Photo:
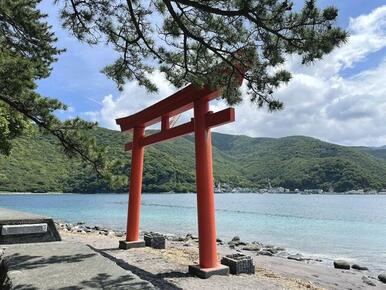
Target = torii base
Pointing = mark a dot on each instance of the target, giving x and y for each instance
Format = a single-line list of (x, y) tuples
[(205, 273), (125, 245)]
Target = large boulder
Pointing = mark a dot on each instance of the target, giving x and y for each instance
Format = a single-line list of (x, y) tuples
[(341, 264), (382, 277)]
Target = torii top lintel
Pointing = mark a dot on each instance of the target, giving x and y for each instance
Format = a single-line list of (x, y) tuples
[(175, 104)]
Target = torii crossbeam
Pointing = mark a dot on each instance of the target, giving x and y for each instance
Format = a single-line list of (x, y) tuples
[(190, 97)]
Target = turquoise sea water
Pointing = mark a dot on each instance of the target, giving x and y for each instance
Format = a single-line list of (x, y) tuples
[(326, 226)]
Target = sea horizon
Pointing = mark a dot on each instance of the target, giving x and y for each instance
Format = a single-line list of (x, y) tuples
[(168, 192)]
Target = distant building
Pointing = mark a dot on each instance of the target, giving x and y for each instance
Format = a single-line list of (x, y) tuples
[(355, 191), (274, 190), (313, 191)]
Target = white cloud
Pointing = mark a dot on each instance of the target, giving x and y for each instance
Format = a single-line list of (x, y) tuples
[(319, 101), (346, 111), (132, 99)]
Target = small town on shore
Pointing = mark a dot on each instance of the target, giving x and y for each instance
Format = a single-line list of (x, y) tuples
[(226, 188)]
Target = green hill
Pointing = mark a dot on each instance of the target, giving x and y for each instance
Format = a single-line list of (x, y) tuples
[(37, 164)]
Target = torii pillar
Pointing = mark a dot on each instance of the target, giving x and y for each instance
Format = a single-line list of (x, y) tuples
[(204, 187), (190, 97)]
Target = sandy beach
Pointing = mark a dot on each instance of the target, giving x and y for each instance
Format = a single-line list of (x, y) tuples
[(167, 269)]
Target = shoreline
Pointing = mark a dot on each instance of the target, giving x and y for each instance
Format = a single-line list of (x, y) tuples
[(238, 245), (311, 273)]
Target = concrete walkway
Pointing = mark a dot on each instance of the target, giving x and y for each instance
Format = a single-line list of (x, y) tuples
[(64, 265)]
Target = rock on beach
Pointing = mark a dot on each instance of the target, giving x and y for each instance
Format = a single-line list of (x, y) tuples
[(265, 253), (252, 247), (359, 267), (296, 257), (382, 277), (236, 241), (341, 264)]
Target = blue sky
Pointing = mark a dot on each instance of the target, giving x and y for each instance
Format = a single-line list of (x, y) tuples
[(335, 100)]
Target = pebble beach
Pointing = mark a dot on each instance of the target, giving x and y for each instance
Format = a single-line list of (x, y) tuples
[(275, 267)]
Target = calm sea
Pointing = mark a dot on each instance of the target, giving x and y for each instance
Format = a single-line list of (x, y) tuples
[(325, 226)]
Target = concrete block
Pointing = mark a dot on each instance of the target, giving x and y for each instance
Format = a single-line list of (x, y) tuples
[(125, 245), (154, 240), (205, 273), (239, 263)]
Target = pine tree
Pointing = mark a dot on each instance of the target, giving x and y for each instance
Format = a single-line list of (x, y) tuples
[(27, 51), (200, 42), (196, 41)]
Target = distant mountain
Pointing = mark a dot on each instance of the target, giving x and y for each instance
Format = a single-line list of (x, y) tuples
[(37, 163), (377, 152)]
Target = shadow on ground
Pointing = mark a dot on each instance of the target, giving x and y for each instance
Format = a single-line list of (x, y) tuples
[(158, 280), (101, 281), (17, 262), (104, 281), (23, 262)]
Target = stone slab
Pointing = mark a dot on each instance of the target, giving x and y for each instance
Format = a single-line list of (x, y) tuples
[(205, 273), (65, 265), (7, 230)]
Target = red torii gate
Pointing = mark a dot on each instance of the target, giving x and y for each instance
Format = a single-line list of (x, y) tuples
[(190, 97)]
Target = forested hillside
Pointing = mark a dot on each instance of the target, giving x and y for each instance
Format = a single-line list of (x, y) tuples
[(37, 164)]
